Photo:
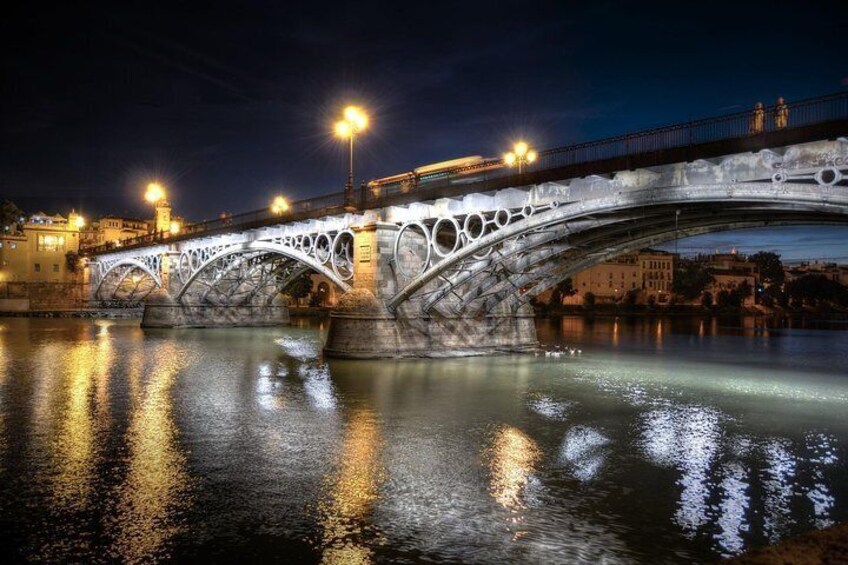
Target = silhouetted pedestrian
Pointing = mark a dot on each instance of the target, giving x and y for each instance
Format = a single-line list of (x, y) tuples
[(781, 114), (758, 119)]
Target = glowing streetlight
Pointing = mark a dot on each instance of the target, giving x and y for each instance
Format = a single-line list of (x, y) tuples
[(174, 228), (279, 205), (79, 222), (520, 155), (355, 122), (154, 193)]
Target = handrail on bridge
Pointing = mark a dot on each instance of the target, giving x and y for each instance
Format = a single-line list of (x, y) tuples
[(707, 130)]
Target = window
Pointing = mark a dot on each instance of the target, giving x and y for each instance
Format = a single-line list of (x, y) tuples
[(55, 267), (51, 242), (13, 246), (38, 267)]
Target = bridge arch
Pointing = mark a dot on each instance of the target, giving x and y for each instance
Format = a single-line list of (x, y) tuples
[(563, 226), (253, 260), (117, 273)]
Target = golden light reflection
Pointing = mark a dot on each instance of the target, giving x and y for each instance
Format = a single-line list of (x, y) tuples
[(156, 490), (512, 460), (73, 413), (75, 448), (4, 369), (352, 493)]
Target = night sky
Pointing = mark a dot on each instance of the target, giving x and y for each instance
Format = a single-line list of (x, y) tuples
[(228, 104)]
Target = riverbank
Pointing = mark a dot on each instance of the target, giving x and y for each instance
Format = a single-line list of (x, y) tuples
[(613, 310), (104, 313), (813, 548)]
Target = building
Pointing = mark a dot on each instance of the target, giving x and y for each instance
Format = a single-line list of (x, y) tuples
[(831, 271), (117, 228), (648, 273), (656, 273), (731, 271), (39, 252)]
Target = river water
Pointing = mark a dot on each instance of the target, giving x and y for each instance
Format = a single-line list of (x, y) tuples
[(661, 441)]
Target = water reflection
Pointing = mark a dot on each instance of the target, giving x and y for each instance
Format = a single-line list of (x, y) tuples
[(153, 499), (74, 446), (686, 438), (245, 445), (583, 449), (351, 495), (512, 460)]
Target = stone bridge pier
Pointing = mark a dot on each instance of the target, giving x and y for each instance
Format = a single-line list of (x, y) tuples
[(366, 324)]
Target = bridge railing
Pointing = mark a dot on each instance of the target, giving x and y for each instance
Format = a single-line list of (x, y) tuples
[(699, 132), (722, 128)]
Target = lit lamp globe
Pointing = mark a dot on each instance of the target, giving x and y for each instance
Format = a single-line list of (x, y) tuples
[(154, 193), (279, 205)]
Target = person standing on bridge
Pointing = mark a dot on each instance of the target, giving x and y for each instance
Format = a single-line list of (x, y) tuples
[(781, 114), (758, 119)]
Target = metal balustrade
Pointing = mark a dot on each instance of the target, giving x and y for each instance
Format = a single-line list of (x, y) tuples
[(726, 128)]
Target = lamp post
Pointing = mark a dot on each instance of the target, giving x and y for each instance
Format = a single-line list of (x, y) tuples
[(521, 156), (355, 121)]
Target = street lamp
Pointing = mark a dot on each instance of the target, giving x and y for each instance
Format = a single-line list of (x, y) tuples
[(355, 121), (279, 205), (154, 193), (79, 222), (521, 155)]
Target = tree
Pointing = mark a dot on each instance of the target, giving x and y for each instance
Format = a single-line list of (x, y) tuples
[(813, 289), (561, 290), (770, 267), (10, 217), (744, 291), (707, 300), (690, 279), (301, 286), (589, 300), (72, 261), (728, 299)]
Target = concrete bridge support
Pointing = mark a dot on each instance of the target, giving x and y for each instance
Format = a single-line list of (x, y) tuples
[(364, 327)]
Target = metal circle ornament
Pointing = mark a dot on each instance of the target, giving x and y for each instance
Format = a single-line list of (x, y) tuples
[(412, 249), (342, 255), (439, 231)]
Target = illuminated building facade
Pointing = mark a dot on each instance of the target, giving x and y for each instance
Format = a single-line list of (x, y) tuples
[(39, 253)]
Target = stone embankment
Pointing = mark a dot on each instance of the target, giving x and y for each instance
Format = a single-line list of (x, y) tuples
[(102, 313)]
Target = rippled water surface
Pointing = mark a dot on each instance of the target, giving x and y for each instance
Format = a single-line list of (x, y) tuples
[(661, 441)]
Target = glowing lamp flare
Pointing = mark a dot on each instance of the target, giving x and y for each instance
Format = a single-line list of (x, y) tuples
[(521, 149), (520, 155), (154, 193), (174, 228), (279, 205), (79, 222)]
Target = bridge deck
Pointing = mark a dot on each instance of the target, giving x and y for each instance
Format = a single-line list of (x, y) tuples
[(810, 120)]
